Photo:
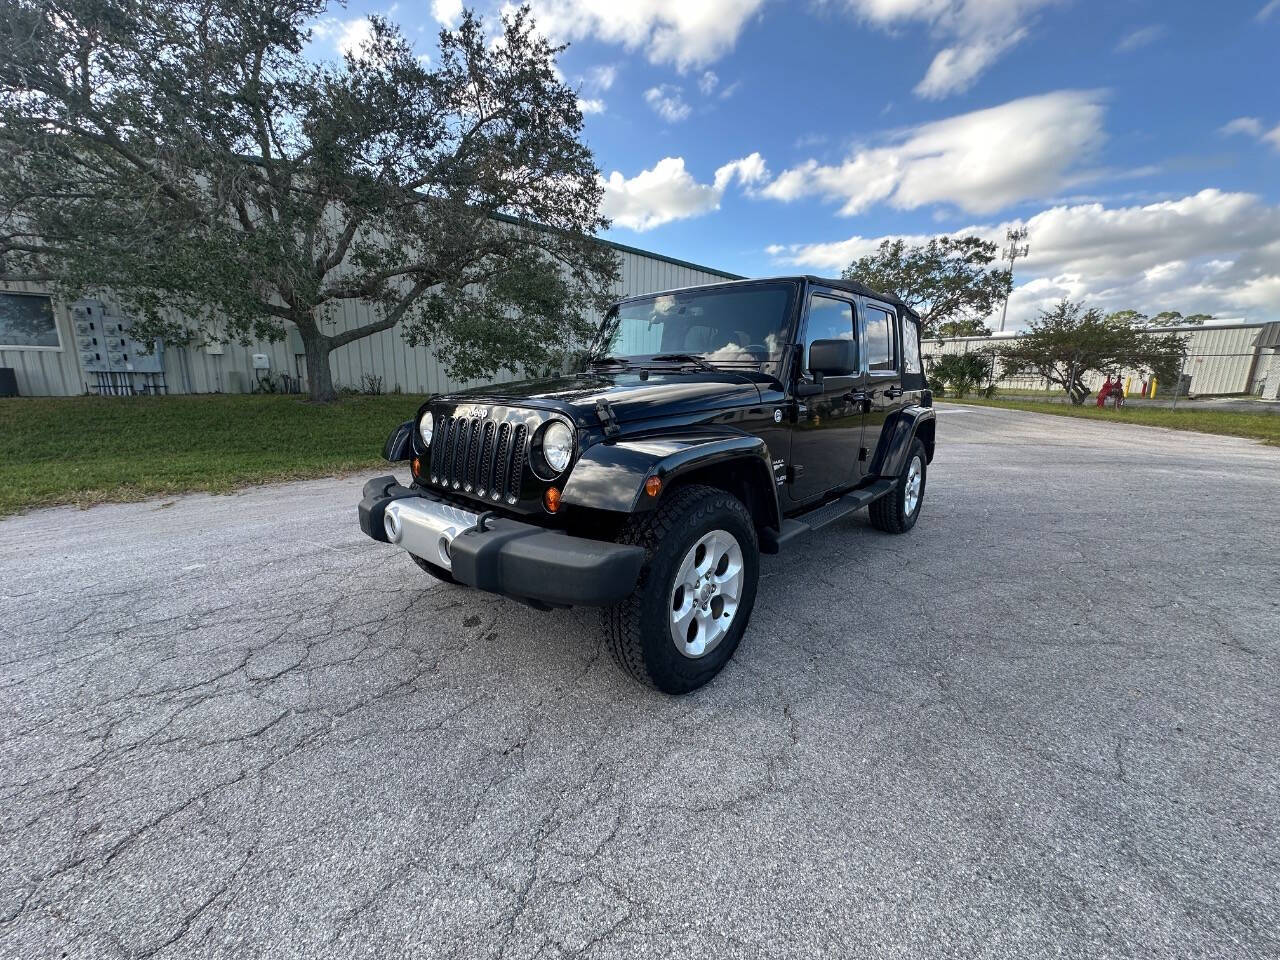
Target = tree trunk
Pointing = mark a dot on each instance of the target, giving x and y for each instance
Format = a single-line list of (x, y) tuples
[(316, 347)]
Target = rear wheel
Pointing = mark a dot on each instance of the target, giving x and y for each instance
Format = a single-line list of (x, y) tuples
[(695, 594), (440, 573), (896, 512)]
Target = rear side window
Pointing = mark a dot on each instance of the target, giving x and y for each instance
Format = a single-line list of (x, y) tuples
[(910, 346), (829, 319), (879, 345)]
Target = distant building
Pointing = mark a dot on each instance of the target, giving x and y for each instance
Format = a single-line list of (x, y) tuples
[(1222, 359), (58, 348)]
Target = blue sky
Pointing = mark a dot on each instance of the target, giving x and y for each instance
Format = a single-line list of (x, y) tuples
[(1137, 140)]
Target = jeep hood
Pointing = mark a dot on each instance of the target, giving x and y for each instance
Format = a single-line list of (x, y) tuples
[(661, 395)]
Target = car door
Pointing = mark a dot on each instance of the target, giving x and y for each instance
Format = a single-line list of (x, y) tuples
[(828, 427), (882, 353)]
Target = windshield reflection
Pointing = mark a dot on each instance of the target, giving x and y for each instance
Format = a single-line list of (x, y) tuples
[(735, 327)]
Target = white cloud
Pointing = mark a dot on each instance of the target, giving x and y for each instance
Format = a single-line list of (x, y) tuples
[(347, 36), (1211, 252), (1265, 13), (669, 192), (955, 69), (748, 171), (591, 105), (976, 33), (447, 12), (1141, 37), (1250, 126), (684, 33), (601, 78), (708, 82), (979, 162), (667, 101)]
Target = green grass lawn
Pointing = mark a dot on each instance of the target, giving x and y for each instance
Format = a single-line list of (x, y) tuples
[(1257, 426), (86, 450)]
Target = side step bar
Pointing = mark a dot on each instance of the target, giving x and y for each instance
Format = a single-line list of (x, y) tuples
[(829, 513)]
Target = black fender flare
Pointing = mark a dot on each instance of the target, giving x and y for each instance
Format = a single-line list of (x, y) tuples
[(399, 445), (611, 475), (896, 438)]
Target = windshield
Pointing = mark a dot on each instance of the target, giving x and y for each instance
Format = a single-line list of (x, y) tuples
[(744, 326)]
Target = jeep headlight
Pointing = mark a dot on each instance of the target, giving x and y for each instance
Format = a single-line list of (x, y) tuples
[(557, 446), (425, 427)]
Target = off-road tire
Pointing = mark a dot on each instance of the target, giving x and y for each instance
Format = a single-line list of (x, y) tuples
[(889, 513), (637, 630), (440, 573)]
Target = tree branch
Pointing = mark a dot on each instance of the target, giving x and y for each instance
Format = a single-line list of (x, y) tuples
[(386, 323)]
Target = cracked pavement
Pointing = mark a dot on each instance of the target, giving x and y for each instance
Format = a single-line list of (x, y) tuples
[(1043, 723)]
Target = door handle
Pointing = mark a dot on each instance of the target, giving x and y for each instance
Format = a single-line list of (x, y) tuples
[(859, 397)]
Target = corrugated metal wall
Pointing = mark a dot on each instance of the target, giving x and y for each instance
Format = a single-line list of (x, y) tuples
[(43, 371), (1219, 358), (50, 372)]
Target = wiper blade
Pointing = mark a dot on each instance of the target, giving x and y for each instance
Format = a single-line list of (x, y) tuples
[(696, 360), (607, 361)]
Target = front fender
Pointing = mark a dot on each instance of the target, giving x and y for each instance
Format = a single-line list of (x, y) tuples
[(895, 442), (399, 445), (612, 475)]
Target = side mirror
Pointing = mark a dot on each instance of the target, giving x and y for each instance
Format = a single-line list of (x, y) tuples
[(833, 358)]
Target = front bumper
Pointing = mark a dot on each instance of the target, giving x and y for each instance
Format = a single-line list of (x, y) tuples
[(501, 555)]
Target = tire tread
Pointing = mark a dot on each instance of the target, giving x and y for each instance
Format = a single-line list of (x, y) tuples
[(682, 507), (888, 514)]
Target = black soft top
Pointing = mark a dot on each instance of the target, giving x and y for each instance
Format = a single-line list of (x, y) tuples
[(853, 286), (849, 286)]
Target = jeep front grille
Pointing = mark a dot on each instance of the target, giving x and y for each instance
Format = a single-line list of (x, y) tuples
[(475, 455)]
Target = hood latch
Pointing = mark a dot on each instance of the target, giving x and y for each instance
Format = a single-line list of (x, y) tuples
[(608, 419)]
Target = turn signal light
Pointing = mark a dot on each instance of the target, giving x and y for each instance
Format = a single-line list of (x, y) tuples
[(551, 499), (652, 486), (416, 464)]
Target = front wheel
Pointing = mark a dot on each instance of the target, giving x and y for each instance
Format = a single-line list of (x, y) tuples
[(695, 593), (896, 512)]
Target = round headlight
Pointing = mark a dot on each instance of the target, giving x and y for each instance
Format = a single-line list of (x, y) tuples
[(425, 426), (557, 446)]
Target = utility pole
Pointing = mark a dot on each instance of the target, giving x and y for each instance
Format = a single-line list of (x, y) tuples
[(1018, 247)]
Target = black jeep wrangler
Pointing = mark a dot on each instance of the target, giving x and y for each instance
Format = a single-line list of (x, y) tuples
[(715, 423)]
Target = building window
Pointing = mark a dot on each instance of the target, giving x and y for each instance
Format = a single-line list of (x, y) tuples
[(26, 320)]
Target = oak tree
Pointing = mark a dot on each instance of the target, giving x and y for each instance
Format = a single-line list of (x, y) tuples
[(950, 281), (195, 159), (1068, 342)]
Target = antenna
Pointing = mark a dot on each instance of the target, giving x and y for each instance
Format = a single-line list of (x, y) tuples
[(1018, 247)]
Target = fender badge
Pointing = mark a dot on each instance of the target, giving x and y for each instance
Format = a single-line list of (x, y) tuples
[(777, 416)]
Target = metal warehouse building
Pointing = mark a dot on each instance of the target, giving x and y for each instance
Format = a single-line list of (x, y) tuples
[(57, 348), (1224, 358)]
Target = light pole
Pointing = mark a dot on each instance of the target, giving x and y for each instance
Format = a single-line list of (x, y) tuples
[(1018, 247)]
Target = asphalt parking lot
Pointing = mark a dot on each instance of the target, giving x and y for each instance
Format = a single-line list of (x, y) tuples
[(1044, 723)]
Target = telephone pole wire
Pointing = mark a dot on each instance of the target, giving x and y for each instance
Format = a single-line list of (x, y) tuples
[(1018, 247)]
